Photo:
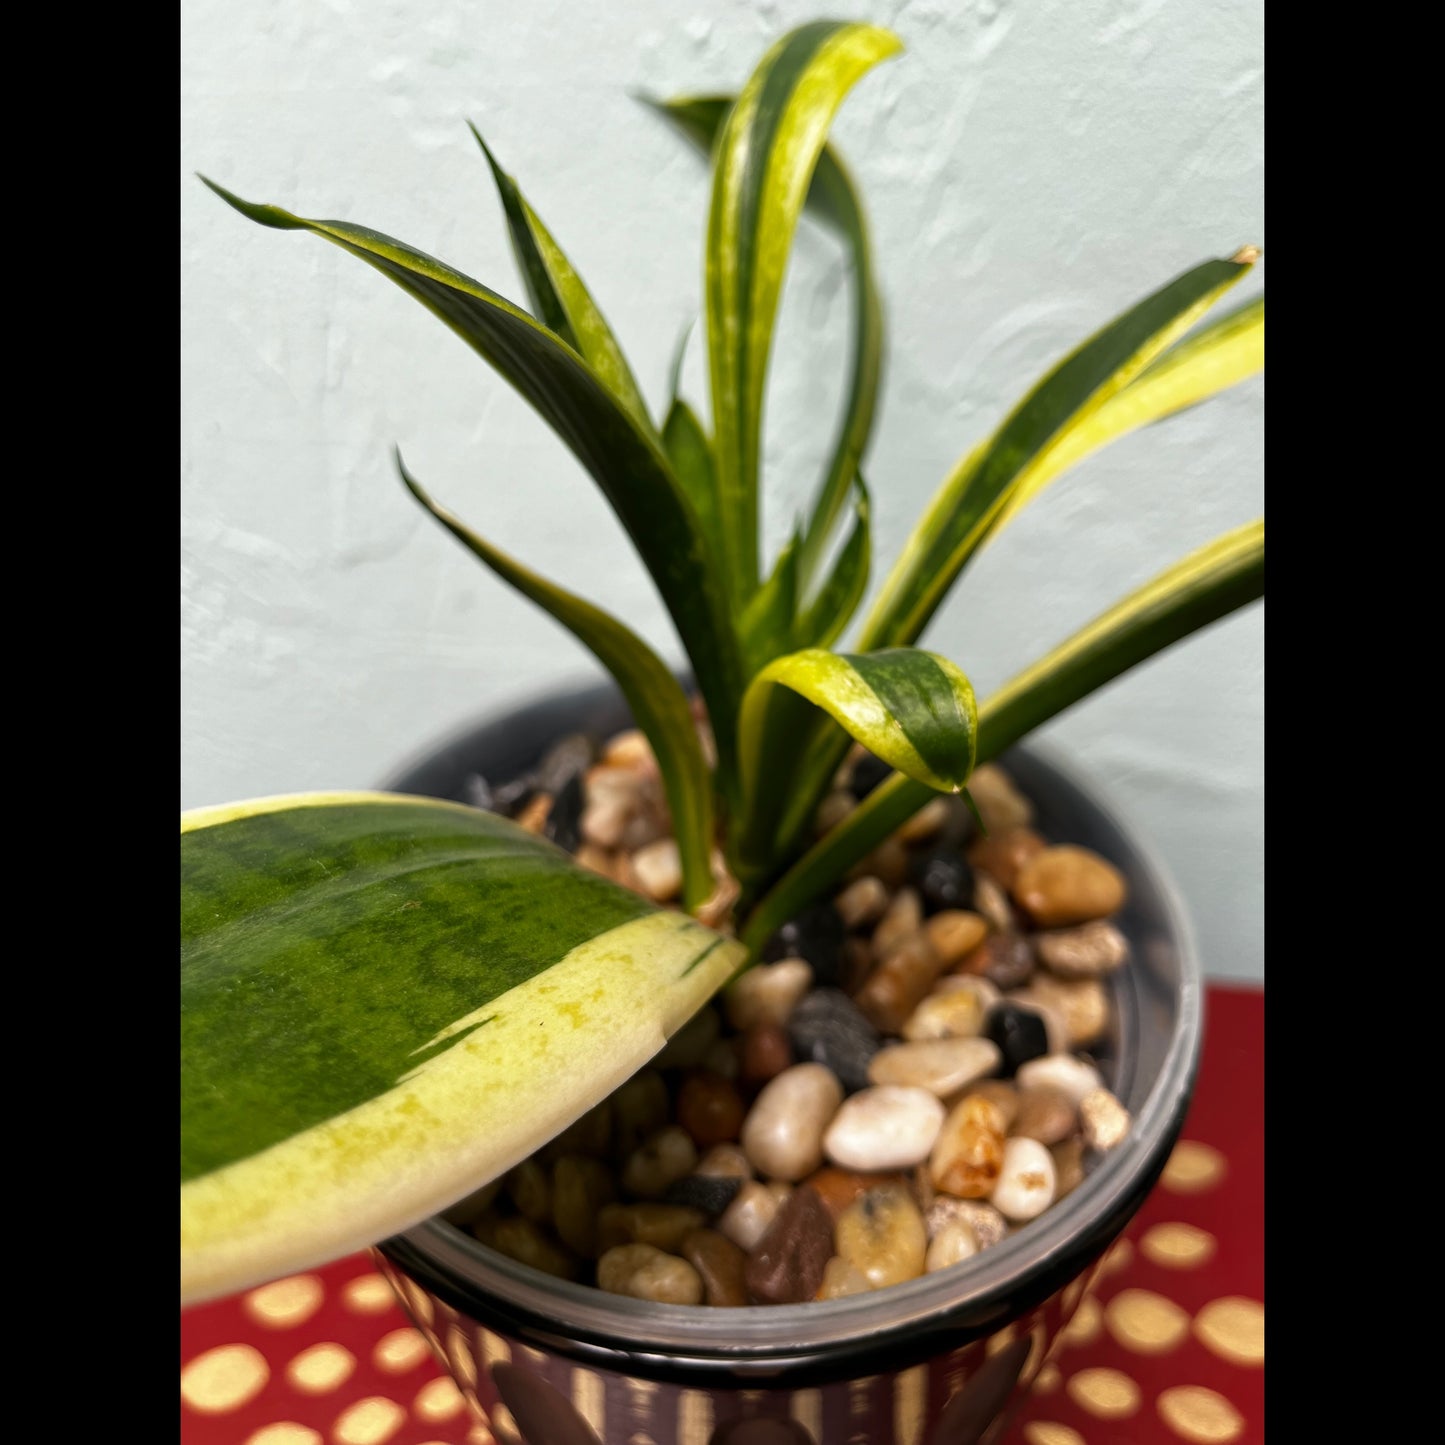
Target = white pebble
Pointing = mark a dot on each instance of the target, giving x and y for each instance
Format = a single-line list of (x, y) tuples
[(753, 1209), (1060, 1071), (953, 1243), (889, 1127), (783, 1133), (659, 870), (1026, 1183), (942, 1066), (956, 1009), (767, 993)]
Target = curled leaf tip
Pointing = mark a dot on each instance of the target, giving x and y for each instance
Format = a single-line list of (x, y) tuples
[(1246, 255)]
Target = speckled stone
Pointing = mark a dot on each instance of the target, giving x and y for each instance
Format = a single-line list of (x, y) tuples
[(828, 1028), (943, 879), (985, 1223), (816, 936)]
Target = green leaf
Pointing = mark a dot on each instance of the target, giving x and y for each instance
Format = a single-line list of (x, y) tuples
[(831, 610), (659, 706), (1211, 582), (972, 498), (559, 299), (767, 624), (1216, 357), (914, 709), (764, 161), (625, 460), (834, 199), (387, 1001)]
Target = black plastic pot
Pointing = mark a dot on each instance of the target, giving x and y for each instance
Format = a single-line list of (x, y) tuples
[(941, 1360)]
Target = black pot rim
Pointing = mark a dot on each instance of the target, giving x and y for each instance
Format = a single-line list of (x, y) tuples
[(915, 1319)]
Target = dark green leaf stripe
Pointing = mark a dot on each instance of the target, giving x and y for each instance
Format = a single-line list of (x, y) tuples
[(687, 449), (970, 500), (925, 701), (765, 160), (626, 463), (385, 1002), (1220, 577), (659, 706), (558, 296)]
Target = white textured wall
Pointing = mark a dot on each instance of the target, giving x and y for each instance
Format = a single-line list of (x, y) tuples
[(1030, 166)]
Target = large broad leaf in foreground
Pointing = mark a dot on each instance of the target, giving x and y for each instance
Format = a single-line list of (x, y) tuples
[(387, 1001)]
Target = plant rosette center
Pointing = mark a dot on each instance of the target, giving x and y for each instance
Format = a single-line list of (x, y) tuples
[(915, 1070)]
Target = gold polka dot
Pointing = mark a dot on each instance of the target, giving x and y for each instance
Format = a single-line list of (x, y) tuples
[(1109, 1394), (1145, 1322), (1120, 1257), (321, 1368), (287, 1303), (1084, 1328), (284, 1432), (1193, 1168), (1071, 1294), (505, 1426), (1233, 1328), (372, 1421), (418, 1302), (1178, 1246), (224, 1379), (479, 1435), (1048, 1380), (401, 1350), (368, 1294), (1199, 1415), (1046, 1432), (459, 1352), (438, 1400)]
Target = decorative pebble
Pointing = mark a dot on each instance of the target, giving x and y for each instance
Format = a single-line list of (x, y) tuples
[(763, 1054), (900, 983), (968, 1154), (831, 811), (1045, 1113), (1067, 885), (520, 1239), (1088, 951), (828, 1028), (948, 1013), (604, 821), (990, 901), (889, 1127), (767, 993), (838, 1188), (591, 1134), (724, 1161), (882, 1235), (955, 933), (889, 861), (640, 1107), (1006, 960), (783, 1133), (722, 1059), (786, 1265), (928, 822), (689, 1046), (999, 801), (1026, 1183), (1068, 1160), (564, 817), (952, 1244), (943, 879), (630, 749), (1003, 1096), (530, 1190), (1081, 1004), (581, 1188), (659, 870), (709, 1108), (747, 1218), (662, 1225), (1103, 1120), (863, 902), (566, 758), (1056, 1028), (645, 1272), (710, 1193), (1063, 1071), (1020, 1034), (816, 936), (867, 773), (533, 817), (1003, 854), (903, 919), (719, 1264), (665, 1156), (858, 961), (941, 1066), (841, 1279), (984, 1222)]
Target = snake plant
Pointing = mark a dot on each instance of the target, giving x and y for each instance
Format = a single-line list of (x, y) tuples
[(387, 1001)]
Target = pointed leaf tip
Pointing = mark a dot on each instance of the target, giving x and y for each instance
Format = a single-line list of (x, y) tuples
[(1246, 255)]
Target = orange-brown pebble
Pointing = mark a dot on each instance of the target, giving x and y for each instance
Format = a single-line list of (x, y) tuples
[(719, 1263), (1004, 854), (899, 984), (1067, 885), (838, 1188), (999, 802), (857, 963), (928, 821), (968, 1155), (888, 861), (709, 1108), (534, 815), (765, 1052), (1004, 1097), (862, 902), (954, 934)]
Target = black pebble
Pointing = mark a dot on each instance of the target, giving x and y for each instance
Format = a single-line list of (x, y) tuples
[(702, 1191), (816, 935), (827, 1028), (867, 773), (943, 879), (509, 799), (1019, 1033), (574, 754), (564, 820), (477, 793)]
